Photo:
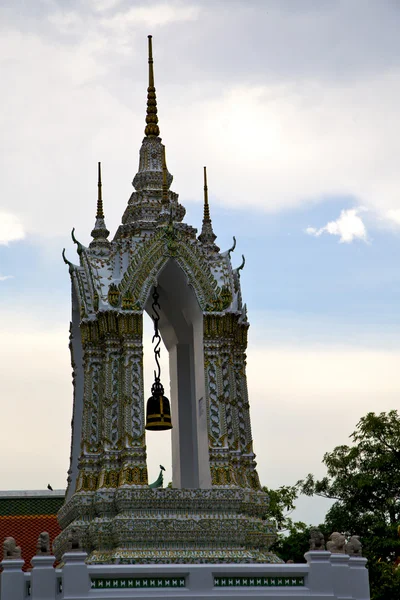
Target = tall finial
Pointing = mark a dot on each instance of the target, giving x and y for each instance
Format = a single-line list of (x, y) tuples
[(100, 213), (165, 181), (100, 232), (206, 205), (207, 236), (152, 128)]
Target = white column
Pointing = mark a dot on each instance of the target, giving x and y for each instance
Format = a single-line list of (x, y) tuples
[(43, 578), (12, 579), (359, 578), (75, 575), (320, 579), (341, 576)]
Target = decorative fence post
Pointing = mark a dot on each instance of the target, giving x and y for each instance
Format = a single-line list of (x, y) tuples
[(75, 575), (12, 577), (341, 576), (359, 580), (320, 577), (43, 578), (12, 580)]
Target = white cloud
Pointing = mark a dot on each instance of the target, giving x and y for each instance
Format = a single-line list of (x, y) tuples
[(11, 229), (286, 147), (393, 216), (288, 139), (349, 227), (160, 14), (5, 277)]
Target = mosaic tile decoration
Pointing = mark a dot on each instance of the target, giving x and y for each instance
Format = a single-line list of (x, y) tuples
[(101, 583), (259, 581)]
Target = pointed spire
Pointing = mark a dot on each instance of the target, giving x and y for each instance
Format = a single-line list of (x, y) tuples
[(149, 205), (207, 236), (100, 232), (100, 213), (206, 205), (152, 128)]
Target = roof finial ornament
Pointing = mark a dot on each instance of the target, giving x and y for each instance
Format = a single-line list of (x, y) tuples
[(206, 205), (77, 242), (241, 266), (231, 249), (100, 212), (100, 232), (71, 266), (207, 236), (152, 128)]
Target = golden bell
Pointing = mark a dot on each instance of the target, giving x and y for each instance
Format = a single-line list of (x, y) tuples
[(158, 411)]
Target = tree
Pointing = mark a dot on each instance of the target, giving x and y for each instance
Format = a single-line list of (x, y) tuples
[(292, 537), (364, 481), (281, 505)]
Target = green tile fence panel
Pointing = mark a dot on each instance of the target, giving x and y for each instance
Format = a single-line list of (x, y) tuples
[(229, 581), (102, 583)]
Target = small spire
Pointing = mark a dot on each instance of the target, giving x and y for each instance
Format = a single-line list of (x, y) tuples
[(207, 236), (152, 128), (100, 213), (206, 205), (165, 180), (100, 232)]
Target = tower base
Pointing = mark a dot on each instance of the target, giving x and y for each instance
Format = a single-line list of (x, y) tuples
[(169, 526)]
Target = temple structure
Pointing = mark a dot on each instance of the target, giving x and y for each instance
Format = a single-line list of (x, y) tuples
[(207, 535), (215, 510)]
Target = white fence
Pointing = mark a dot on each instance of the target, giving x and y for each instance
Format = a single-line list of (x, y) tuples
[(324, 576)]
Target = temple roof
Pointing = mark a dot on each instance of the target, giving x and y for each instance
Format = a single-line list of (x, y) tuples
[(24, 515), (118, 274)]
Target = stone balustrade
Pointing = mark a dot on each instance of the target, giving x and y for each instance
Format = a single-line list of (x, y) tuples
[(324, 576)]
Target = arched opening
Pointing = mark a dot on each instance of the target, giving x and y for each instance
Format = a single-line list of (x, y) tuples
[(181, 328), (158, 443)]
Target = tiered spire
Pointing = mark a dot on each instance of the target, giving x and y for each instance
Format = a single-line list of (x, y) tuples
[(153, 201), (100, 232), (152, 128), (207, 236), (100, 212)]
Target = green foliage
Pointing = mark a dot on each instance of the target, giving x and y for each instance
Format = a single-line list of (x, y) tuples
[(292, 537), (281, 504), (364, 481), (384, 580), (294, 545)]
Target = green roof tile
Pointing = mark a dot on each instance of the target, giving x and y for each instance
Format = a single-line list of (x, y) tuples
[(30, 506)]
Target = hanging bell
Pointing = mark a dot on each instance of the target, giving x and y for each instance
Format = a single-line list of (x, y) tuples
[(158, 411)]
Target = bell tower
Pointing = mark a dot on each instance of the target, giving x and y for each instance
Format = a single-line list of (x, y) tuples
[(215, 510)]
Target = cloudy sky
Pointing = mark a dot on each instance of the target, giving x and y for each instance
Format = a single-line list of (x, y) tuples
[(293, 107)]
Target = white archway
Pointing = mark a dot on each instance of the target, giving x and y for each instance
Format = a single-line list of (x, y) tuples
[(181, 328)]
